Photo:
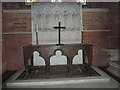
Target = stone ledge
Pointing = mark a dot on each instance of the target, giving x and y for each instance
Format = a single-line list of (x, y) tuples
[(60, 81)]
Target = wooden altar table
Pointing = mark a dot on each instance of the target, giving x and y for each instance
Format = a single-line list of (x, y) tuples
[(46, 51)]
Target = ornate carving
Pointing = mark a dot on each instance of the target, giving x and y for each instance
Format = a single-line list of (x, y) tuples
[(47, 15)]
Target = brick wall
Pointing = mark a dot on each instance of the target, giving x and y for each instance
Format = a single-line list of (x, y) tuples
[(113, 35), (17, 33), (17, 22), (20, 21), (13, 49), (95, 19), (114, 30), (0, 40)]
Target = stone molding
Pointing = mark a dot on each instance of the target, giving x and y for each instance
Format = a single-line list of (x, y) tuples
[(29, 11)]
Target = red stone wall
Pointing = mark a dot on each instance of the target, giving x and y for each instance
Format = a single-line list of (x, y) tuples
[(93, 24), (17, 22), (114, 30), (95, 20), (13, 49), (0, 40), (21, 21), (99, 41)]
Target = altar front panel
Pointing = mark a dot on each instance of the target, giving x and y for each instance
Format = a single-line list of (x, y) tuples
[(46, 51)]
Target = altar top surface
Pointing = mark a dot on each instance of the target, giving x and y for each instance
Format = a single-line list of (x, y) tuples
[(83, 44)]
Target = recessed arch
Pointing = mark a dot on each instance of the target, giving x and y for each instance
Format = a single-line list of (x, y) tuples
[(78, 59), (58, 59), (37, 59)]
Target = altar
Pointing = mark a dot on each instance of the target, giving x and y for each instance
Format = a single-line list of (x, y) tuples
[(57, 38), (46, 51)]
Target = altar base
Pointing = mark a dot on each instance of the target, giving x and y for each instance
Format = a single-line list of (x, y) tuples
[(38, 83)]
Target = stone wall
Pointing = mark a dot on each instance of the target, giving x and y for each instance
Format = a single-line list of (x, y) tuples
[(20, 20), (16, 22), (13, 49)]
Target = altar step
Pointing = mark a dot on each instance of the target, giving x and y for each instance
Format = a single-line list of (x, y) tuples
[(61, 81), (114, 68), (103, 79), (7, 75)]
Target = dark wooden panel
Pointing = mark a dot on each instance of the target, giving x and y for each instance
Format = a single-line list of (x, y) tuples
[(46, 51)]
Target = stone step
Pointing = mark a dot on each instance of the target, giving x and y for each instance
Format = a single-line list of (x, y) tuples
[(113, 54), (115, 64), (12, 82), (114, 68)]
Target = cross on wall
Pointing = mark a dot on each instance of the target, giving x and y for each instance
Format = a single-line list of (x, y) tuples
[(59, 33)]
